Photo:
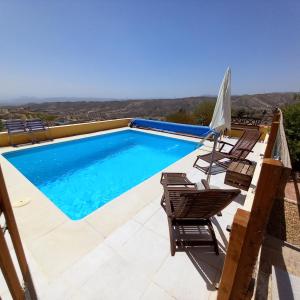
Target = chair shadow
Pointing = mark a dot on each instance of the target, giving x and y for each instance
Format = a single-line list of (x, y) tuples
[(240, 199), (215, 169), (221, 232), (207, 263)]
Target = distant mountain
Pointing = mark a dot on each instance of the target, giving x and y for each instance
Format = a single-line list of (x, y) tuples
[(151, 108), (262, 101), (247, 101), (27, 100)]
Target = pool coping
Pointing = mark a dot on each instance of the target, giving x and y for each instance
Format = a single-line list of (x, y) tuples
[(41, 222)]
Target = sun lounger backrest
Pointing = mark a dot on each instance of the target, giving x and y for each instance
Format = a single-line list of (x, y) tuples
[(201, 204), (247, 141), (13, 126), (35, 125)]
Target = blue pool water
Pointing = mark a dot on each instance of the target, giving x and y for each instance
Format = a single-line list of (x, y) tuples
[(82, 175)]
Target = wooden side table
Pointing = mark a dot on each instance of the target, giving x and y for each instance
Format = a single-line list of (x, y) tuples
[(239, 174)]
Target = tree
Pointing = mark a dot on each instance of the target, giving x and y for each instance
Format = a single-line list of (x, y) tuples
[(239, 113), (297, 96), (203, 112), (181, 116), (291, 118)]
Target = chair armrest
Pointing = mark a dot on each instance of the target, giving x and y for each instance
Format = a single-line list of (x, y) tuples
[(226, 143), (174, 175), (242, 151), (234, 158), (245, 149), (179, 174)]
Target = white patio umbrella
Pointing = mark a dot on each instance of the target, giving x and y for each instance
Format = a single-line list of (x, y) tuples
[(221, 119)]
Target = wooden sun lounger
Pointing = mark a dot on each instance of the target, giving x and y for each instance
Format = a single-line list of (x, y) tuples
[(15, 127), (189, 211), (35, 126), (238, 152)]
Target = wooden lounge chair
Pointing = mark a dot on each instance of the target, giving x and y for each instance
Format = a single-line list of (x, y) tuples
[(15, 127), (36, 125), (189, 212), (239, 151), (175, 179)]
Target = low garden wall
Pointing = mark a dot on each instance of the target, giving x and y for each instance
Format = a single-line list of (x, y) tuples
[(66, 130), (237, 130), (84, 128)]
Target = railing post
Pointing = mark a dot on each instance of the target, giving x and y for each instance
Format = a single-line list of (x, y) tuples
[(273, 133), (236, 240), (8, 270), (272, 139), (11, 225), (243, 250), (276, 116)]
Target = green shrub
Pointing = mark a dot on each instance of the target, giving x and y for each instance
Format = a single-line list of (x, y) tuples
[(181, 116), (291, 116), (203, 112), (201, 115)]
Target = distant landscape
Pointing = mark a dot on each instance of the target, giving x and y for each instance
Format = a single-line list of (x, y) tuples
[(59, 111)]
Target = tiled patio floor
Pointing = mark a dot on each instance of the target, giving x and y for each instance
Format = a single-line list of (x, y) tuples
[(122, 250)]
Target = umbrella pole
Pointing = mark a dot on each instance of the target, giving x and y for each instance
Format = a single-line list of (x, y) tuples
[(212, 158)]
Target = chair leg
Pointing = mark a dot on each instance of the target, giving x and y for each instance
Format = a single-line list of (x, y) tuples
[(195, 163), (11, 140), (48, 135), (172, 240), (32, 137), (212, 232)]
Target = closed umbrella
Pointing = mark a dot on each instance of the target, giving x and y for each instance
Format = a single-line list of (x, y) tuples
[(221, 119)]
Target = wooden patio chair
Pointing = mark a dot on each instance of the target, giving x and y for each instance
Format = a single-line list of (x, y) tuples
[(238, 152), (189, 213), (15, 127), (37, 125), (175, 179)]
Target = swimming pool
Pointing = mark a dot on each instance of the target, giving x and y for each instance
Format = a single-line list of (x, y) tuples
[(82, 175)]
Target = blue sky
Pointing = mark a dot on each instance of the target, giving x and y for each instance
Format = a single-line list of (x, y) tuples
[(147, 48)]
